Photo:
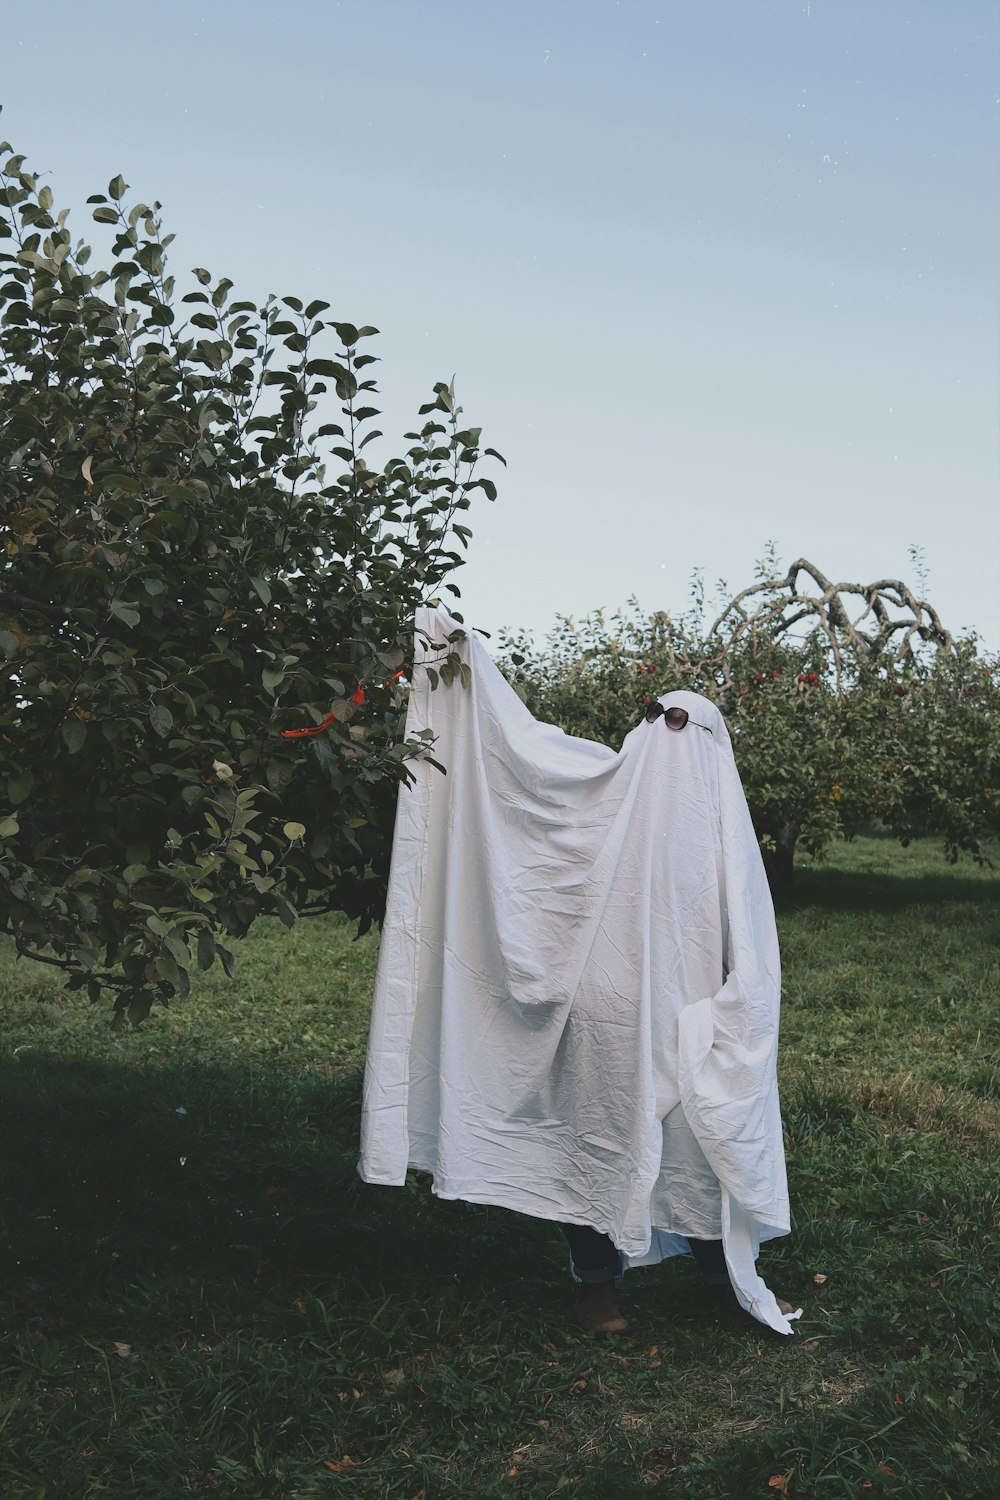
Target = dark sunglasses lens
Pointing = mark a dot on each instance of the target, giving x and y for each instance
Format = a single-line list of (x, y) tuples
[(653, 712), (675, 718)]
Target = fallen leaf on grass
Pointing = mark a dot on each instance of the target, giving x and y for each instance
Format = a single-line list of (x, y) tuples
[(819, 1278), (658, 1466), (123, 1351), (779, 1482), (340, 1468), (577, 1387)]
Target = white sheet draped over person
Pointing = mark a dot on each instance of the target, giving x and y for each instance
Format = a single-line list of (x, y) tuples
[(576, 1003)]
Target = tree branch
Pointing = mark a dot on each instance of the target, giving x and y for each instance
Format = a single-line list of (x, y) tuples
[(24, 605)]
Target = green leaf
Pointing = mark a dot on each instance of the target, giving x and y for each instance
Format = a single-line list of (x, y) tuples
[(127, 483), (221, 292), (20, 786), (106, 215), (294, 831), (117, 187), (161, 719), (327, 367), (127, 613), (74, 733), (9, 827), (139, 1007), (206, 949), (177, 949)]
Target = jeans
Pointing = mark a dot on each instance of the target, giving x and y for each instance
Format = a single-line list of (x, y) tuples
[(595, 1258)]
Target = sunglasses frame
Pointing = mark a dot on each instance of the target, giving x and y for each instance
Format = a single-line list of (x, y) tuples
[(674, 718)]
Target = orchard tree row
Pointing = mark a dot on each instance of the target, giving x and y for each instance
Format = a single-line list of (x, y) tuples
[(849, 705)]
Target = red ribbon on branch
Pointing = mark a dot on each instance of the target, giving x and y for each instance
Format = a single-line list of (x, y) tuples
[(299, 734), (358, 697)]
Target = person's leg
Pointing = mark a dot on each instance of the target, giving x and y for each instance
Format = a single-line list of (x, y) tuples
[(711, 1261), (596, 1267), (594, 1257)]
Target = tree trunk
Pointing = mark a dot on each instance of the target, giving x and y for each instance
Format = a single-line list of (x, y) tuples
[(778, 862)]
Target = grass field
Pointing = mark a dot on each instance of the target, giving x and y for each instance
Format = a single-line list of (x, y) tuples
[(202, 1298)]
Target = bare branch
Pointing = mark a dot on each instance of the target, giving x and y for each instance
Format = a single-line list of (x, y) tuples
[(862, 619), (23, 605)]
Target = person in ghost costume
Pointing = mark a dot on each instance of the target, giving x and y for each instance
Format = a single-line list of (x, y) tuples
[(576, 1002)]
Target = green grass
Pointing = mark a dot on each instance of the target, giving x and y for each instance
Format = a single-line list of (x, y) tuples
[(188, 1193)]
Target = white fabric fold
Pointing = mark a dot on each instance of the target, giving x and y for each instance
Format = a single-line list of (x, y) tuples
[(576, 1003)]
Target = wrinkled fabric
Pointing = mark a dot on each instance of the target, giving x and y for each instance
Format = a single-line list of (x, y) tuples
[(576, 1003)]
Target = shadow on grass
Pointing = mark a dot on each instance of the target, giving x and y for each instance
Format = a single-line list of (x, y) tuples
[(300, 1333), (223, 1174), (868, 891)]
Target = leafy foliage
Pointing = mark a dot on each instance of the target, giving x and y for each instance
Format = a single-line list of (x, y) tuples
[(827, 737), (196, 557)]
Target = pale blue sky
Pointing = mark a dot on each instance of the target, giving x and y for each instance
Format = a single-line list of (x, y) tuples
[(709, 272)]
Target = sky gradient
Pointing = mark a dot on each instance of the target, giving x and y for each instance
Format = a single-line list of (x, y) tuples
[(708, 272)]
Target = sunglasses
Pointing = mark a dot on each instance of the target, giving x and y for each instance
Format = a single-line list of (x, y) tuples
[(674, 718)]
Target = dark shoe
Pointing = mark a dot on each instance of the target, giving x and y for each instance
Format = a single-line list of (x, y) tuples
[(597, 1309)]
